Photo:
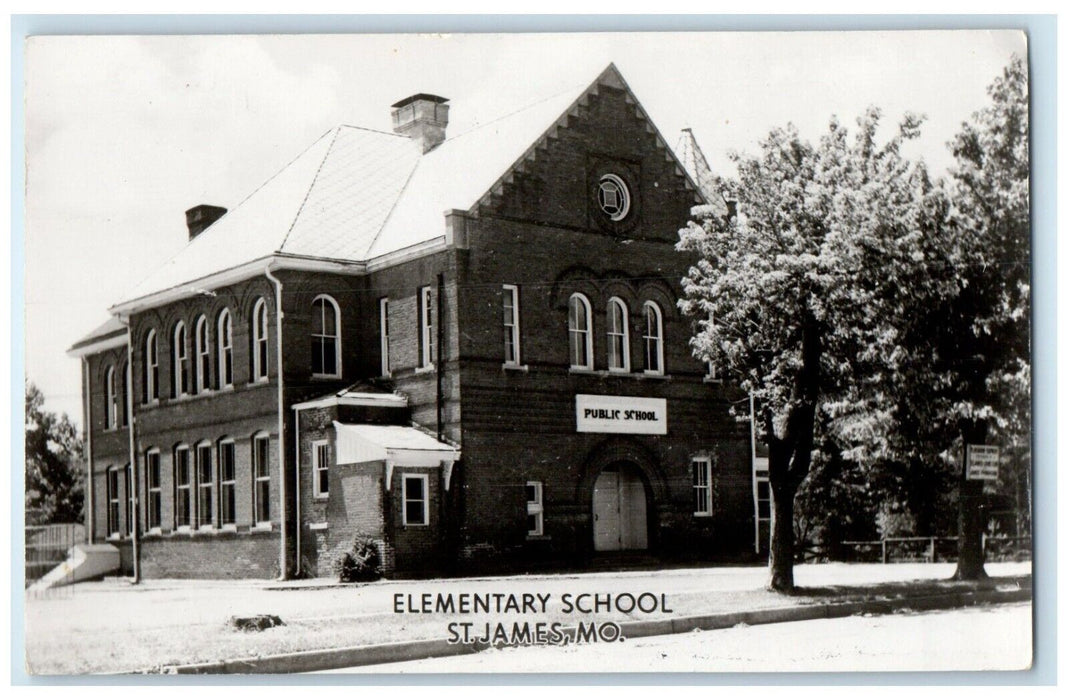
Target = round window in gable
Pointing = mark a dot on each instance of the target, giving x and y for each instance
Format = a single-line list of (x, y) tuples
[(613, 197)]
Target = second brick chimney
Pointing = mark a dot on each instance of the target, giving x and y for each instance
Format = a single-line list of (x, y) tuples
[(422, 117)]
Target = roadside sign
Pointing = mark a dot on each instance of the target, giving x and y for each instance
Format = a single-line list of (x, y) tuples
[(983, 462)]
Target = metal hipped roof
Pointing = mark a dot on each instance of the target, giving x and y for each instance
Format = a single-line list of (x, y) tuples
[(397, 445)]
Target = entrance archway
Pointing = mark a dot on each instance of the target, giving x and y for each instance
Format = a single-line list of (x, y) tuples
[(620, 505)]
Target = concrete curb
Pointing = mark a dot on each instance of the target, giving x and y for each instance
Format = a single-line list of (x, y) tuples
[(367, 655)]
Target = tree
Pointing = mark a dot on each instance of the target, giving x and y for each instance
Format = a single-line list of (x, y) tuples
[(800, 296), (987, 338), (54, 479)]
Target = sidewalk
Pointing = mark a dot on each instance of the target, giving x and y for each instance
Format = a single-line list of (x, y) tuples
[(109, 627)]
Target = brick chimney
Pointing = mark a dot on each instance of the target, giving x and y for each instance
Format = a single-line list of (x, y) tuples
[(202, 216), (422, 117)]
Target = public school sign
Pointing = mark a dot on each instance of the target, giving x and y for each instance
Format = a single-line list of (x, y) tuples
[(620, 414)]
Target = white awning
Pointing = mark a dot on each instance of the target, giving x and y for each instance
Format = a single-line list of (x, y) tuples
[(396, 445)]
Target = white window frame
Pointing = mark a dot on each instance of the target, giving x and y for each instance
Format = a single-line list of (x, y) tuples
[(622, 333), (537, 508), (111, 413), (425, 499), (427, 328), (131, 498), (188, 487), (124, 395), (180, 361), (151, 368), (224, 445), (202, 345), (154, 490), (383, 335), (329, 300), (225, 338), (204, 447), (654, 335), (318, 467), (510, 300), (577, 335), (705, 462), (261, 473), (261, 354), (114, 525)]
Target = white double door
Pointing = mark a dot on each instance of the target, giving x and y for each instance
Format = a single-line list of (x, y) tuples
[(619, 510)]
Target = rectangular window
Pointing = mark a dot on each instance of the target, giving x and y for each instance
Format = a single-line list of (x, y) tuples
[(535, 509), (205, 488), (321, 468), (416, 510), (702, 486), (155, 491), (183, 490), (114, 529), (131, 501), (763, 498), (261, 475), (426, 327), (383, 334), (227, 496), (510, 297)]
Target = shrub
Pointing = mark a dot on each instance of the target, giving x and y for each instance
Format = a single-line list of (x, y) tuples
[(360, 563)]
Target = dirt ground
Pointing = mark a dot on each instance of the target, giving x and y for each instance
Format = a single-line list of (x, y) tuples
[(111, 626)]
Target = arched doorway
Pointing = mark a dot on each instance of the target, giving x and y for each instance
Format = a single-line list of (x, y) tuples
[(619, 509)]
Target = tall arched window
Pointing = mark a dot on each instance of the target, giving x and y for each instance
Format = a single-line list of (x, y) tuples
[(654, 339), (580, 332), (259, 341), (326, 337), (618, 336), (180, 362), (124, 395), (226, 349), (202, 376), (151, 368), (110, 402)]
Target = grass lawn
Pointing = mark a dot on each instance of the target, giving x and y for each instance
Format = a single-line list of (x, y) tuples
[(112, 627)]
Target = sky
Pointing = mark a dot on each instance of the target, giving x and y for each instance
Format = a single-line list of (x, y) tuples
[(123, 134)]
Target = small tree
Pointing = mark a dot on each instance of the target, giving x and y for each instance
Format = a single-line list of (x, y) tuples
[(54, 479), (801, 295)]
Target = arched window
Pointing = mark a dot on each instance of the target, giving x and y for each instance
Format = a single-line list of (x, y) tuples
[(124, 395), (326, 337), (151, 368), (180, 362), (618, 336), (203, 356), (110, 400), (580, 332), (259, 341), (654, 339), (226, 349)]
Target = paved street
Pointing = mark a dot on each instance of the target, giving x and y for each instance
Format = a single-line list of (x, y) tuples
[(981, 638)]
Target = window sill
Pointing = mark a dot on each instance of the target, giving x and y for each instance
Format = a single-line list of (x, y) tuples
[(515, 368), (710, 379), (154, 531), (539, 538), (654, 375), (260, 381), (586, 371), (150, 404), (416, 524), (318, 526), (114, 537), (262, 527), (206, 528), (321, 497), (229, 527), (619, 372), (325, 377), (110, 430), (702, 515), (425, 368)]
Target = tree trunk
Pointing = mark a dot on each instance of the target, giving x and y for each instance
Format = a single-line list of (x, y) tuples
[(971, 519), (781, 551)]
